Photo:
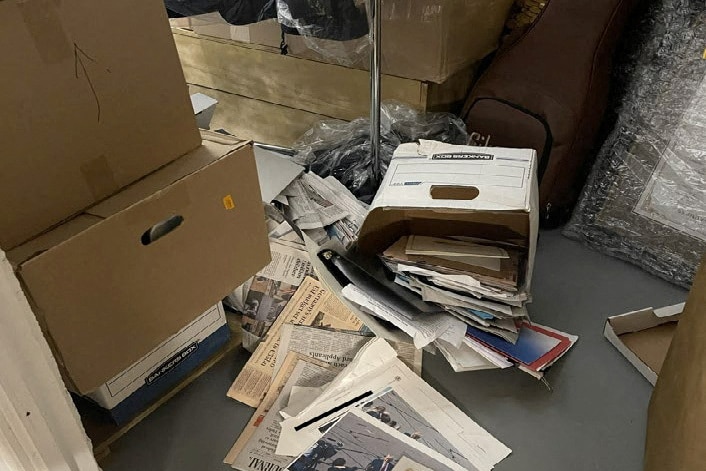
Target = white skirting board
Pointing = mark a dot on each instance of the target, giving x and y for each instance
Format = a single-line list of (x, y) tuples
[(39, 426)]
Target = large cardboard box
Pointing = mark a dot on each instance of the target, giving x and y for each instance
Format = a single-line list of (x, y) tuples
[(644, 336), (436, 189), (428, 40), (111, 284), (82, 113), (147, 379), (422, 39), (676, 423)]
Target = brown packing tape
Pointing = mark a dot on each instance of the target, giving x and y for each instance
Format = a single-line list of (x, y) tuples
[(99, 177), (45, 27)]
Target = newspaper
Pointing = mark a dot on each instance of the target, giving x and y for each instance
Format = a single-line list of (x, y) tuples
[(374, 369), (406, 464), (312, 304), (272, 288), (359, 442), (336, 348), (255, 448), (423, 329), (325, 209)]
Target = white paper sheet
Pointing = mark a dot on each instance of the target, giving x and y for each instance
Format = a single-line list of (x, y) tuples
[(423, 329), (376, 368)]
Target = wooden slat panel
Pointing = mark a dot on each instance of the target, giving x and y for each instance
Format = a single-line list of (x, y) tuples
[(316, 87), (258, 120)]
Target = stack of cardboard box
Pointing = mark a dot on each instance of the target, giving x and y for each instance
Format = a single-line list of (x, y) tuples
[(430, 52), (124, 228)]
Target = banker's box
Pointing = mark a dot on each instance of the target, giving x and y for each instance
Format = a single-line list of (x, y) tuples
[(109, 285), (442, 190), (149, 378)]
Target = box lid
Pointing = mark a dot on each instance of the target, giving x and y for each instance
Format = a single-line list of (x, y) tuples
[(107, 296), (87, 106), (676, 421)]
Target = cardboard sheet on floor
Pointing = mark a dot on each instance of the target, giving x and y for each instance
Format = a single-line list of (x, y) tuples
[(644, 336)]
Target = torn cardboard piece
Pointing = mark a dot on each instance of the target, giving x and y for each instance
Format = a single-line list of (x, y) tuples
[(644, 337)]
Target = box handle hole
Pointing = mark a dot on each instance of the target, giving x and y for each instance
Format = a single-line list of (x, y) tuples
[(161, 229), (454, 192)]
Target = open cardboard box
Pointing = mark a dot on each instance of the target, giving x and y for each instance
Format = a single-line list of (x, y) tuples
[(644, 336), (676, 423), (441, 190), (111, 284)]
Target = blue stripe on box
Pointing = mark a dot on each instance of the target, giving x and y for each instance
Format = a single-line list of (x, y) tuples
[(167, 375)]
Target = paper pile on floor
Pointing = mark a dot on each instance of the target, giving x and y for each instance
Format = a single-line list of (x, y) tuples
[(340, 399), (456, 226), (321, 209), (482, 320)]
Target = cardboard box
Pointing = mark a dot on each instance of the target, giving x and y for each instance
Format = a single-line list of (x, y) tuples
[(676, 422), (266, 33), (113, 283), (82, 113), (150, 377), (441, 190), (422, 39), (644, 336)]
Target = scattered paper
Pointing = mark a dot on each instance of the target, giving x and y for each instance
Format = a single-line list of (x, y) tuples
[(255, 448), (273, 286), (334, 348), (375, 369), (358, 442), (312, 304), (423, 329)]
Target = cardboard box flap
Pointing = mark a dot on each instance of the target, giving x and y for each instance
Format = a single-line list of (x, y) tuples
[(82, 113), (213, 147), (52, 238), (109, 296), (676, 421)]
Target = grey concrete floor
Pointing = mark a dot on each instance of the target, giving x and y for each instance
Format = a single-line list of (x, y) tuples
[(593, 419)]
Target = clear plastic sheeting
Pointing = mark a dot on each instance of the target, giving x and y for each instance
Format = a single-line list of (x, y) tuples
[(342, 149), (645, 201)]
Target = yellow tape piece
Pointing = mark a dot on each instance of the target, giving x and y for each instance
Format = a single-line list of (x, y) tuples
[(228, 202)]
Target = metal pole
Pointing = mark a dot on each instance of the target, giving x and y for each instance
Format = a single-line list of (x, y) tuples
[(375, 75)]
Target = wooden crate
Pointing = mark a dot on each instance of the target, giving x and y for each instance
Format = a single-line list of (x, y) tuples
[(272, 98)]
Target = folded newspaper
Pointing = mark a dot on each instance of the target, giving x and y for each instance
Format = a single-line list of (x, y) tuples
[(323, 209), (374, 413)]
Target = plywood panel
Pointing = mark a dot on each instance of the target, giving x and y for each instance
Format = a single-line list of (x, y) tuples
[(260, 73)]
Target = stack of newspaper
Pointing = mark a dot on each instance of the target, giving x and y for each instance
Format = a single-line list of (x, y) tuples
[(323, 208), (331, 396)]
